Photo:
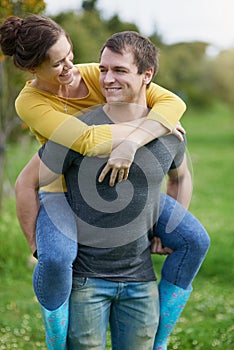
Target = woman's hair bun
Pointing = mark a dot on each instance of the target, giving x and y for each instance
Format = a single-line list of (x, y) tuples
[(9, 34)]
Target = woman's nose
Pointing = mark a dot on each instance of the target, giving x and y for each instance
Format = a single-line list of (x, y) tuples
[(68, 64)]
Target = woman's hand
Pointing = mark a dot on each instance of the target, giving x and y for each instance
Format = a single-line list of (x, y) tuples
[(119, 162), (122, 156), (179, 131)]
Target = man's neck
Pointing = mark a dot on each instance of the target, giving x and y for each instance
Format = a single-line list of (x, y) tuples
[(124, 112)]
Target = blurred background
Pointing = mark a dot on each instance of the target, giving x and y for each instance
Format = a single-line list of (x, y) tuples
[(196, 42)]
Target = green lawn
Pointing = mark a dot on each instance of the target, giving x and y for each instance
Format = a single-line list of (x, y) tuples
[(208, 319)]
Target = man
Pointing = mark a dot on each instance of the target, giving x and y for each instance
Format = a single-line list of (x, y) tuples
[(113, 274)]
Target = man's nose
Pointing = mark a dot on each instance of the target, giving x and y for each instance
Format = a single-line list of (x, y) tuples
[(109, 76)]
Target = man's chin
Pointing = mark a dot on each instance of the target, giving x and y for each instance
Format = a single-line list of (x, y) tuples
[(114, 100)]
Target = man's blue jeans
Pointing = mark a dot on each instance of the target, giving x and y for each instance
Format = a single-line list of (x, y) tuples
[(131, 308), (57, 247)]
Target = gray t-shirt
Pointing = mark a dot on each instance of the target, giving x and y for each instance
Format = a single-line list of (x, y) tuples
[(114, 222)]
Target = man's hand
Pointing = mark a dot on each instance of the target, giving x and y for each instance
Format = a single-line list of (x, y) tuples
[(119, 162), (157, 248)]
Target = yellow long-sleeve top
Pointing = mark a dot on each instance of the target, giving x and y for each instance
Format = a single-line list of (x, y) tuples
[(44, 114)]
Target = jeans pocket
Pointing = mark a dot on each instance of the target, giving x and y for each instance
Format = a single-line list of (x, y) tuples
[(79, 282)]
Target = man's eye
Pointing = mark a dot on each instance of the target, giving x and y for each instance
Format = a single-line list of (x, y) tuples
[(120, 70)]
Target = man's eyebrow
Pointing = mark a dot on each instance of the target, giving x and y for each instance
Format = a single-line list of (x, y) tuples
[(115, 67)]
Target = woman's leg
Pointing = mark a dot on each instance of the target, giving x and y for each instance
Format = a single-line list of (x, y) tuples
[(183, 233), (52, 279), (179, 230)]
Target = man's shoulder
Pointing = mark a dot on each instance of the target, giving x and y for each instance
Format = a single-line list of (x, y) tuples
[(172, 141)]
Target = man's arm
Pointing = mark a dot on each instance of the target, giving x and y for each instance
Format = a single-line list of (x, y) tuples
[(27, 184), (179, 184)]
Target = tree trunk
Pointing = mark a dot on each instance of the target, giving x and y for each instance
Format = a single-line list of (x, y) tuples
[(2, 158)]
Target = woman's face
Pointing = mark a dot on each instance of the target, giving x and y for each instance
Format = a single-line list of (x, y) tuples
[(58, 68)]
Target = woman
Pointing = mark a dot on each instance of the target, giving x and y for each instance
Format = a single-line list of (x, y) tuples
[(47, 105)]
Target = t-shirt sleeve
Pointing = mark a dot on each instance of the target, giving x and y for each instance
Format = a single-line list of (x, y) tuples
[(38, 113), (56, 157), (166, 107), (179, 157)]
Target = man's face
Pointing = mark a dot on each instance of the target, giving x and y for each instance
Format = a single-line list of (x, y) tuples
[(119, 79)]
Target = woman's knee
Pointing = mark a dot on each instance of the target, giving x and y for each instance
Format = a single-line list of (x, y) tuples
[(195, 236), (203, 239), (59, 258)]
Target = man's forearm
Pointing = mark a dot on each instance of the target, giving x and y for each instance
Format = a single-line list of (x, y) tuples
[(181, 192), (179, 185), (27, 207)]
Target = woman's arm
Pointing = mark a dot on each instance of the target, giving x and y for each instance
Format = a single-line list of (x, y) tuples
[(166, 107), (39, 110), (122, 155), (163, 118), (42, 113)]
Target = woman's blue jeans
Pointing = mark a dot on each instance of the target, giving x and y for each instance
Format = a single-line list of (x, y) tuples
[(57, 247), (56, 238), (131, 309), (179, 230)]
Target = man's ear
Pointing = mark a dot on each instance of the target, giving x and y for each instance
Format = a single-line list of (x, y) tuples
[(148, 75)]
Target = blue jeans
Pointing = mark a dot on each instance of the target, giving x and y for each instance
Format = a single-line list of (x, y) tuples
[(57, 247), (56, 236), (132, 309), (179, 230)]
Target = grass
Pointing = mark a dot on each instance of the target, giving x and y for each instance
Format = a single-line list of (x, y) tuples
[(208, 319)]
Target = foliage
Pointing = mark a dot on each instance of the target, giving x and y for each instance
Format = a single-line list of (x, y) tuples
[(114, 24), (20, 7), (221, 76), (89, 5), (182, 70), (11, 79)]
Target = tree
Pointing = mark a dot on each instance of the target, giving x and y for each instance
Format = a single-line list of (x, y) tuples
[(220, 74), (182, 70), (114, 24), (10, 78), (89, 5)]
